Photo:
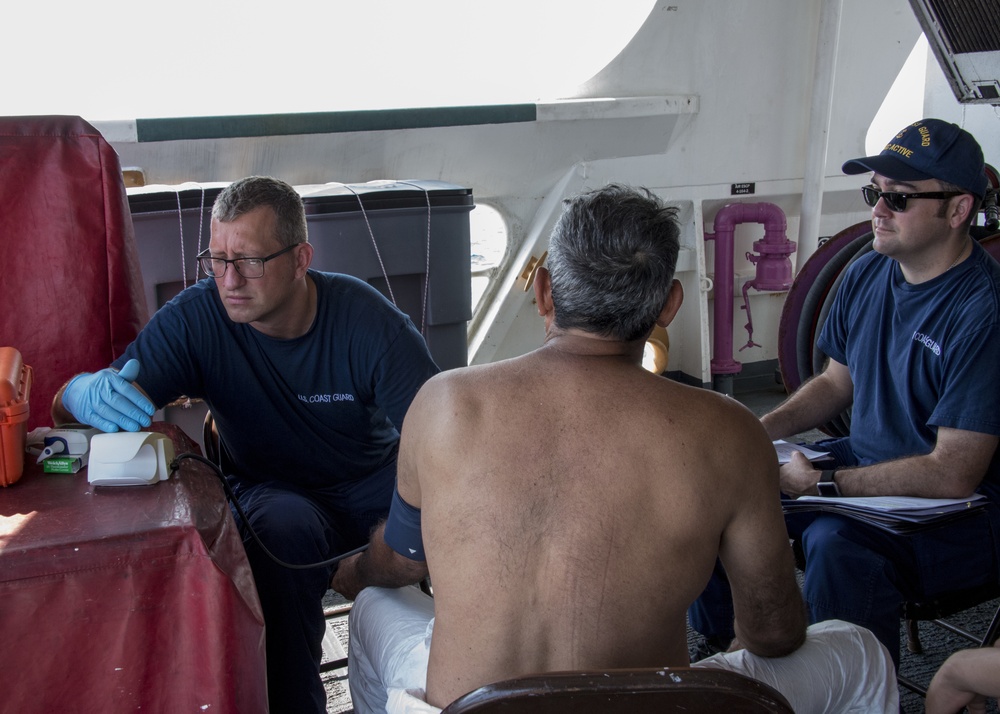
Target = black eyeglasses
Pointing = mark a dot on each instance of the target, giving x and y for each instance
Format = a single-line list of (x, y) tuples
[(897, 201), (247, 267)]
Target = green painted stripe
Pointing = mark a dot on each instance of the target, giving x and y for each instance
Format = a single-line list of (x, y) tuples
[(329, 122)]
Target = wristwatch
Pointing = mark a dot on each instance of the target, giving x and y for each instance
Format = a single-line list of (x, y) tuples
[(826, 485)]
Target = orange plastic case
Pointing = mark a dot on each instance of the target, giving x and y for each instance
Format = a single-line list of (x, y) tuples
[(15, 388)]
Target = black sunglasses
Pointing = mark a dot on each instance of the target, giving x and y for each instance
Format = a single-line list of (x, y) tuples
[(897, 201)]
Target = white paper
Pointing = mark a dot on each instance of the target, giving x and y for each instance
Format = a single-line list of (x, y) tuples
[(898, 504), (784, 450)]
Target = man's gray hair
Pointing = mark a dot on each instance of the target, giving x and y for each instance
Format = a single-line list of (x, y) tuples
[(248, 194), (612, 257)]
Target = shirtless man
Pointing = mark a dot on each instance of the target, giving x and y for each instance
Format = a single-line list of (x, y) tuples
[(572, 505)]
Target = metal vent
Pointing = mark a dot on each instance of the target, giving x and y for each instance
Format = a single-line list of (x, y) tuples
[(965, 38)]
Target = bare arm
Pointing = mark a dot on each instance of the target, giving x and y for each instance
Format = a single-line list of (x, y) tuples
[(965, 680), (816, 402), (954, 469), (770, 613), (60, 415), (379, 566)]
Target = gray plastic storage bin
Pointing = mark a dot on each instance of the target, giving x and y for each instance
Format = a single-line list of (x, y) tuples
[(172, 225)]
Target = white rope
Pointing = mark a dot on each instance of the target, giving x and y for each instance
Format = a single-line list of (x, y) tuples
[(201, 221), (374, 244), (427, 265), (180, 224), (427, 262)]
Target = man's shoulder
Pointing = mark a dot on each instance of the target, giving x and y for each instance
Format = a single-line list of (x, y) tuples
[(698, 417), (204, 289), (349, 295), (989, 266), (972, 294), (343, 283), (717, 404), (869, 267), (481, 381), (191, 305)]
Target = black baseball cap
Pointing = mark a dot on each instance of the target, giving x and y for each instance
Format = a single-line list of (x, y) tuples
[(929, 148)]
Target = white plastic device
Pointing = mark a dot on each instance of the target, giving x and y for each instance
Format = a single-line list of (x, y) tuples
[(67, 439), (127, 458)]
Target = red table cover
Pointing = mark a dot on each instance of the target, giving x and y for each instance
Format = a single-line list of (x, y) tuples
[(127, 599), (72, 297)]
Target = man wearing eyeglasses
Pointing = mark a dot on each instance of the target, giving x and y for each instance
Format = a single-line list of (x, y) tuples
[(914, 341), (307, 375)]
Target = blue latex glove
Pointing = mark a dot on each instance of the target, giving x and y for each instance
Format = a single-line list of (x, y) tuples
[(107, 399)]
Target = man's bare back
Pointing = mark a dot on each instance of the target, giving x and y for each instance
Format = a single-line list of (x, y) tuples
[(568, 505), (560, 535)]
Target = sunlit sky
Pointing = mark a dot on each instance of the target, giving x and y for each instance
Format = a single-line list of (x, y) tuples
[(904, 103), (124, 59)]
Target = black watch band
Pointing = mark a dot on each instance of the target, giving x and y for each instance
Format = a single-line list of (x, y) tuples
[(826, 484)]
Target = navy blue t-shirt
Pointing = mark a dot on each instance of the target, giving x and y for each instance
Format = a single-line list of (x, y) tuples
[(921, 356), (321, 411)]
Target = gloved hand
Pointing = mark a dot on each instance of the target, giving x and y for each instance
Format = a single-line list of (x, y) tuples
[(107, 399)]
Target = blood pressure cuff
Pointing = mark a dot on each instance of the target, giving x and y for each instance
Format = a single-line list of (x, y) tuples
[(402, 529)]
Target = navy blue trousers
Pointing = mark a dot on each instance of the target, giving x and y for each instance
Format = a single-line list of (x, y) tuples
[(862, 574), (298, 527)]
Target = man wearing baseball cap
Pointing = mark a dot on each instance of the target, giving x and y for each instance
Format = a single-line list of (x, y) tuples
[(914, 341), (913, 338)]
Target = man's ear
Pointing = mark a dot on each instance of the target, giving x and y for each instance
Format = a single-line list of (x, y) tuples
[(543, 291), (965, 204), (674, 300), (303, 258)]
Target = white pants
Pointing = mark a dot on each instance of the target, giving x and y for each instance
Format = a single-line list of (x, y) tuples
[(841, 668)]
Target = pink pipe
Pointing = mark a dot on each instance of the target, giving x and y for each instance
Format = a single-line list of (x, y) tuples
[(774, 270)]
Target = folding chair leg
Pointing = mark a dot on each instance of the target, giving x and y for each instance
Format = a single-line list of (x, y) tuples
[(911, 685), (913, 637), (992, 632)]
